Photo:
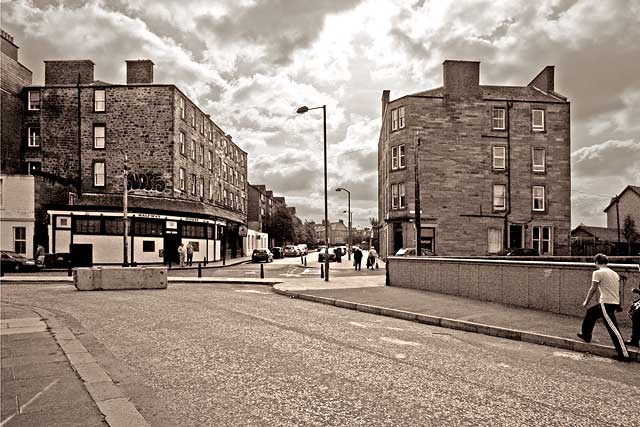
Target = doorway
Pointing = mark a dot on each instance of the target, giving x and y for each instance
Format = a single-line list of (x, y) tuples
[(171, 242), (515, 236), (398, 242)]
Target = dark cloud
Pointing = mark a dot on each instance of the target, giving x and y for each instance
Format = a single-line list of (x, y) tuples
[(611, 158)]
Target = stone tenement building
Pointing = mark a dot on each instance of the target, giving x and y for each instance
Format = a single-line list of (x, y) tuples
[(493, 164), (261, 206), (186, 177)]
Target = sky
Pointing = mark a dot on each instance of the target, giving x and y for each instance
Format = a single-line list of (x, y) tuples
[(252, 63)]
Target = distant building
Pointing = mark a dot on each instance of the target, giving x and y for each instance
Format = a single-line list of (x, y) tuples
[(338, 232), (625, 204), (493, 166), (17, 214)]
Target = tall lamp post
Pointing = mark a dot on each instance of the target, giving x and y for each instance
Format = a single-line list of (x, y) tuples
[(303, 110), (349, 210), (125, 203)]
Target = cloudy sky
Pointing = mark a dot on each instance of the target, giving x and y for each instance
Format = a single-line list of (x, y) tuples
[(251, 63)]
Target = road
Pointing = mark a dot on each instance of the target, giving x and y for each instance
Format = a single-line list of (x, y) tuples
[(228, 355)]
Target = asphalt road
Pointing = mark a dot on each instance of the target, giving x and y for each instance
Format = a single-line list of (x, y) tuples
[(230, 355)]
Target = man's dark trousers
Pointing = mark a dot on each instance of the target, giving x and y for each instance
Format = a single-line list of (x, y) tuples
[(608, 314)]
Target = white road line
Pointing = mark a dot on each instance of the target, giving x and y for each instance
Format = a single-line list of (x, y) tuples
[(251, 291), (360, 325), (29, 402), (399, 342)]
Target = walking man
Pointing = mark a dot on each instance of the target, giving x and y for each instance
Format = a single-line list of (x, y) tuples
[(373, 255), (189, 254), (357, 259), (606, 283)]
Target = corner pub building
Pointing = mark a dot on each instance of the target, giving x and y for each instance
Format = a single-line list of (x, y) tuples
[(186, 179)]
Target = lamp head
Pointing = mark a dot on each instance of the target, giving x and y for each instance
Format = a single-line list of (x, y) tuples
[(340, 189), (302, 109)]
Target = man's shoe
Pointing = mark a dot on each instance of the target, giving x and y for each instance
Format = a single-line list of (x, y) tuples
[(632, 343), (583, 338)]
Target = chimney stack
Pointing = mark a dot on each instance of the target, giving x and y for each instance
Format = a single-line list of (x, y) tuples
[(385, 100), (68, 72), (544, 80), (8, 46), (461, 79), (139, 71)]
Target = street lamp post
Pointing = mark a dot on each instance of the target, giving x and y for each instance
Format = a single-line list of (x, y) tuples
[(349, 210), (125, 203), (303, 110)]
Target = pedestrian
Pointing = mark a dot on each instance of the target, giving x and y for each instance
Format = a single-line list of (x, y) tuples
[(606, 283), (181, 254), (634, 313), (189, 254), (371, 260), (357, 259), (40, 255)]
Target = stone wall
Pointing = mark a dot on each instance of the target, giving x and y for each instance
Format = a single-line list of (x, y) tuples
[(547, 286)]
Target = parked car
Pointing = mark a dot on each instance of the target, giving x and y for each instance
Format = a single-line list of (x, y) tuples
[(518, 252), (12, 261), (260, 255), (277, 252), (303, 249), (332, 255), (291, 250), (412, 252)]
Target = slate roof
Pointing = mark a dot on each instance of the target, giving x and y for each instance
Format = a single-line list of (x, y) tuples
[(601, 233), (515, 93), (633, 188)]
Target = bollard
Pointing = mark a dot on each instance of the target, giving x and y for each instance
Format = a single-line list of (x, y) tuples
[(262, 271), (205, 261), (386, 274), (301, 259), (322, 271), (223, 260), (305, 261), (1, 272), (69, 270), (199, 270)]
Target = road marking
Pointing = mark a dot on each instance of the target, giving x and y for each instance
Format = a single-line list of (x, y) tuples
[(360, 325), (251, 291), (401, 356), (399, 342), (289, 275), (21, 408), (394, 329), (309, 271)]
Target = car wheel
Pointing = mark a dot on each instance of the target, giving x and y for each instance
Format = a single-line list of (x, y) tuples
[(16, 268)]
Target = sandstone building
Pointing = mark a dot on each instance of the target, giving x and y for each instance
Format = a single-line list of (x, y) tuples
[(493, 166), (186, 178)]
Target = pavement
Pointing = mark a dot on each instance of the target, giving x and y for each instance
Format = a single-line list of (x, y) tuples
[(49, 378)]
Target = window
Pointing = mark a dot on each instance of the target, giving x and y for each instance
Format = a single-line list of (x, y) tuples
[(538, 198), (98, 174), (494, 240), (210, 160), (202, 125), (194, 230), (181, 183), (72, 198), (33, 166), (148, 246), (114, 226), (210, 132), (219, 166), (34, 100), (498, 119), (201, 155), (34, 137), (99, 100), (238, 202), (219, 193), (99, 133), (539, 159), (499, 197), (201, 188), (147, 227), (182, 109), (193, 150), (394, 158), (193, 184), (224, 172), (86, 225), (224, 196), (193, 117), (261, 211), (401, 196), (20, 240), (499, 158), (537, 120), (394, 196), (242, 185), (235, 177), (401, 162), (182, 147), (210, 189), (401, 118), (541, 239), (397, 118)]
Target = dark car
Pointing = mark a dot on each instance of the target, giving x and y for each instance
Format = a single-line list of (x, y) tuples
[(412, 252), (518, 252), (332, 255), (12, 261), (259, 255), (277, 252)]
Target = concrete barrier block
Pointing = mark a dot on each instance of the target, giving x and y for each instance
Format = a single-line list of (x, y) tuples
[(574, 285), (154, 278), (83, 279), (544, 289), (468, 282), (432, 277)]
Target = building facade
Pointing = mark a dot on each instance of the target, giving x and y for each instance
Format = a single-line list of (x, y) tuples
[(184, 177), (492, 164), (626, 204)]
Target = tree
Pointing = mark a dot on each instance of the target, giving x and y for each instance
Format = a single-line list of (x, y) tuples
[(629, 232), (281, 226)]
